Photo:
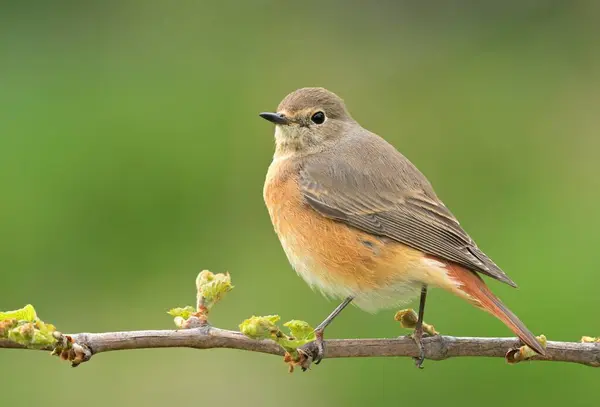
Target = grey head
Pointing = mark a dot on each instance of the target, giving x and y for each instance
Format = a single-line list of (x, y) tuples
[(308, 120)]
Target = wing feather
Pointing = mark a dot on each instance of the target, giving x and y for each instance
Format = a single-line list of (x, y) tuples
[(401, 206)]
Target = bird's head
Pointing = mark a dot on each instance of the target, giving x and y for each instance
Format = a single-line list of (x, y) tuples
[(308, 120)]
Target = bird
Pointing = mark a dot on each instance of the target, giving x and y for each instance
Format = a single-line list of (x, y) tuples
[(358, 221)]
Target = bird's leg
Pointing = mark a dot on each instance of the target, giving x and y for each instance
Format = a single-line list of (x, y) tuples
[(418, 334), (319, 330)]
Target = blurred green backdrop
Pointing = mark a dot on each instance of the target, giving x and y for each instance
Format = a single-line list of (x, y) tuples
[(132, 156)]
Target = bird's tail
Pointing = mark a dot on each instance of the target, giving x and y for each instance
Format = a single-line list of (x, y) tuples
[(481, 296)]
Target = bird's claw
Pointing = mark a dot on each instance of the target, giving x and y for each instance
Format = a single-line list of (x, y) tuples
[(421, 358), (313, 352), (417, 336), (320, 343)]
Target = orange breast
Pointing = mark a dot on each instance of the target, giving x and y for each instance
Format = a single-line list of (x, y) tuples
[(338, 259)]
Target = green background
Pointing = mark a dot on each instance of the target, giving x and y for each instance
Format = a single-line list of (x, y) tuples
[(132, 157)]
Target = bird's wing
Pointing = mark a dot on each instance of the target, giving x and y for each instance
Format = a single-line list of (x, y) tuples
[(387, 196)]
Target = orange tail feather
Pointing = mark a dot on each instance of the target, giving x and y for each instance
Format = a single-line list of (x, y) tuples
[(482, 297)]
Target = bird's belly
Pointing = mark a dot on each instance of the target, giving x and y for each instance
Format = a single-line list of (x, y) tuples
[(341, 261), (356, 280)]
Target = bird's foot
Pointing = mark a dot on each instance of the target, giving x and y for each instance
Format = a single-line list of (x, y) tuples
[(320, 347), (312, 352), (417, 336)]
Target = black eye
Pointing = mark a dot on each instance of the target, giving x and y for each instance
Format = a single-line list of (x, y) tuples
[(318, 118)]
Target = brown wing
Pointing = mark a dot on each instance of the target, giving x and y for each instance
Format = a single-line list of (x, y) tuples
[(387, 196)]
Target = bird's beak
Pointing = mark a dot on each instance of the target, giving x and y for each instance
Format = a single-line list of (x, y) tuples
[(276, 118)]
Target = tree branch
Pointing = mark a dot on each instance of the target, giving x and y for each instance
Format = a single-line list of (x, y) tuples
[(23, 327), (437, 347)]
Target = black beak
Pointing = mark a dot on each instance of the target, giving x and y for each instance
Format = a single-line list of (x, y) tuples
[(276, 118)]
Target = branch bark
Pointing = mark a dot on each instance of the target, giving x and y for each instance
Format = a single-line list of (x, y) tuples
[(438, 347)]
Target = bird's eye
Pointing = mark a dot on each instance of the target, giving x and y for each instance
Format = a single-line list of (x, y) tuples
[(318, 118)]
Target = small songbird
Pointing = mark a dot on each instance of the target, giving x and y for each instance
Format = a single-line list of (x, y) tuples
[(357, 220)]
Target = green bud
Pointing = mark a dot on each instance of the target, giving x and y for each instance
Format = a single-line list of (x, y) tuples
[(5, 326), (260, 327), (23, 327), (407, 318), (212, 287), (524, 352), (265, 328)]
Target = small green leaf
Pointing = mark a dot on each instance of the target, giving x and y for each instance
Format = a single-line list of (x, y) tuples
[(27, 313), (184, 312), (301, 330), (182, 315), (301, 334)]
